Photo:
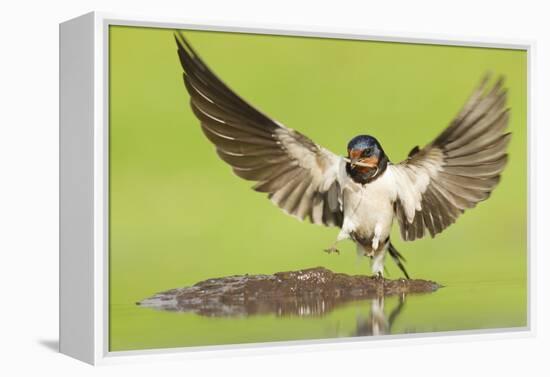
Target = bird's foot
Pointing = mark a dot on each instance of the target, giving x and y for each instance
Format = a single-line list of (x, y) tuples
[(378, 276), (332, 249)]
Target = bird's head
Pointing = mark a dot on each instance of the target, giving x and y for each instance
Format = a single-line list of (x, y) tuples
[(366, 158)]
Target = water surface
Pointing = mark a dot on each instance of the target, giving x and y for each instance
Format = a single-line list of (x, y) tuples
[(464, 306)]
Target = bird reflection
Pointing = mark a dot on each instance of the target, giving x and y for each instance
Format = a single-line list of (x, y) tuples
[(377, 323)]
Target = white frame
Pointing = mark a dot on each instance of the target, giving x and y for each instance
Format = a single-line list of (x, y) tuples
[(84, 157)]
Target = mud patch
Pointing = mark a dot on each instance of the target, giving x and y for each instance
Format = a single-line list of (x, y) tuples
[(308, 292)]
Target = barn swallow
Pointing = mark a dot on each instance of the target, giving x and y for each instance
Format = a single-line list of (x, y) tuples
[(364, 192)]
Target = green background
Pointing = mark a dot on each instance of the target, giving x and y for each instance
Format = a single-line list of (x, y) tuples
[(178, 215)]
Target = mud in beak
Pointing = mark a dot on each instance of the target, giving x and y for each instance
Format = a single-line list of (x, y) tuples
[(353, 157), (363, 162)]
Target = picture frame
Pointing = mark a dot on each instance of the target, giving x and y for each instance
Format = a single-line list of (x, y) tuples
[(84, 191)]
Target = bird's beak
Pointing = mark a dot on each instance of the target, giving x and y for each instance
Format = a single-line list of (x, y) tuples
[(364, 162)]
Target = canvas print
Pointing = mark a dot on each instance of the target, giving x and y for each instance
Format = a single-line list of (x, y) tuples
[(267, 188)]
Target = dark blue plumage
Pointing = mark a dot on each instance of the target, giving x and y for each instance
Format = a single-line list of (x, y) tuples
[(362, 142)]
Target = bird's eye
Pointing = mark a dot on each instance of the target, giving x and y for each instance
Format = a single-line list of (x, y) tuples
[(366, 152)]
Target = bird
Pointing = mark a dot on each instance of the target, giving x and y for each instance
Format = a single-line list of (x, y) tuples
[(362, 192)]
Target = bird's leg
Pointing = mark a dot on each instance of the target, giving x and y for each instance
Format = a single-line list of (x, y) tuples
[(377, 264), (333, 249), (376, 239)]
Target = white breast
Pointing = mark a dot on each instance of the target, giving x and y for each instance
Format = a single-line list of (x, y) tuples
[(368, 209)]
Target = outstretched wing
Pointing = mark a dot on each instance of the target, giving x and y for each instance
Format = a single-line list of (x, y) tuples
[(457, 170), (298, 175)]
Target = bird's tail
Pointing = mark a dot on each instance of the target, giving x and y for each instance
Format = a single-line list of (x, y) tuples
[(398, 259)]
